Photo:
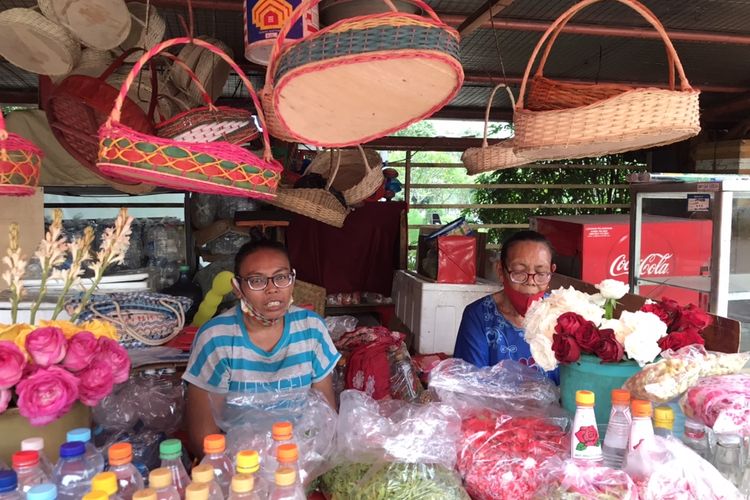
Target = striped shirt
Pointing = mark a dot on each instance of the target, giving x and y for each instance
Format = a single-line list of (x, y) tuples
[(224, 358)]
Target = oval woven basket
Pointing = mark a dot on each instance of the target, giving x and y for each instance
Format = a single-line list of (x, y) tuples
[(359, 175), (213, 168), (144, 33), (274, 125), (20, 163), (634, 119), (92, 63), (364, 77), (99, 24)]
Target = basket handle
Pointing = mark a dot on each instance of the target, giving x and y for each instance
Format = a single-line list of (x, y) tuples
[(633, 4), (3, 138), (335, 168), (196, 81), (114, 116), (489, 106), (302, 9), (115, 65)]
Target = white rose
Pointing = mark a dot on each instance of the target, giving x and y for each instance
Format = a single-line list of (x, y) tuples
[(613, 289), (640, 320), (621, 330), (641, 347), (541, 351)]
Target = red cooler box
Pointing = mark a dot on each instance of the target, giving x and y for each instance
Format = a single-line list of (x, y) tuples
[(597, 247)]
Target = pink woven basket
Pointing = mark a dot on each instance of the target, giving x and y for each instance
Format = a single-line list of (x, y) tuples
[(213, 168), (20, 163), (361, 78)]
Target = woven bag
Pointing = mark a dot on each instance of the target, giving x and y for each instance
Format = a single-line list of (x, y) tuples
[(99, 24), (631, 120), (362, 78), (497, 156), (307, 294), (211, 70), (212, 168), (359, 176), (20, 163)]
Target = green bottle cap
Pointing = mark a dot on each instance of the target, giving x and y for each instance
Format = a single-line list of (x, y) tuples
[(169, 449)]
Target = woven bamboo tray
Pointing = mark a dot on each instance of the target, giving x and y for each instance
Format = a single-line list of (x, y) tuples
[(360, 172)]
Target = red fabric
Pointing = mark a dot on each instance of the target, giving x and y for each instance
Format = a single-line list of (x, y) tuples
[(360, 257), (457, 259), (368, 369)]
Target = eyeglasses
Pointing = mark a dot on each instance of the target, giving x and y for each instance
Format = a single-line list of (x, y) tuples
[(284, 280), (521, 277)]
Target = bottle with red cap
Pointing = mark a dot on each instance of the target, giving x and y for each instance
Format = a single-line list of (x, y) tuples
[(641, 429), (214, 448), (129, 479), (28, 469), (37, 444)]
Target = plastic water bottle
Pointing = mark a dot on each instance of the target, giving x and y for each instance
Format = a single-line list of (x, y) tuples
[(585, 444), (663, 421), (93, 455), (145, 494), (618, 430), (161, 481), (129, 479), (281, 433), (287, 456), (287, 486), (106, 482), (641, 427), (248, 464), (204, 474), (37, 444), (28, 470), (197, 491), (170, 452), (9, 486), (45, 491), (695, 438), (243, 488), (73, 473), (728, 457), (214, 448)]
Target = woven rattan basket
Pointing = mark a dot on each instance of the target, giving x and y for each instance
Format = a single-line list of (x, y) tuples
[(362, 78), (307, 294), (631, 120), (497, 156), (20, 163), (99, 24), (144, 33), (212, 71), (360, 172)]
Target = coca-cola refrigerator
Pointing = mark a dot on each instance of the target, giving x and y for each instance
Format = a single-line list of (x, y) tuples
[(596, 247)]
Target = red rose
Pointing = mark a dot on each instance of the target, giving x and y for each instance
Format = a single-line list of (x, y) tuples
[(587, 336), (659, 311), (608, 348), (566, 348), (691, 317), (588, 435), (672, 308), (677, 340), (568, 323)]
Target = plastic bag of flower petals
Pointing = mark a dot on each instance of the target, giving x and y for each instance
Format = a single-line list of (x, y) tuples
[(722, 403), (569, 480), (666, 469), (500, 456), (507, 386)]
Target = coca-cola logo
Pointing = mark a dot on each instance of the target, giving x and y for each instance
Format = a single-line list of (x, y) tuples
[(654, 264)]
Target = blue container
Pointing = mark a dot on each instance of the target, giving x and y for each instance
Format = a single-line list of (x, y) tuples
[(589, 374)]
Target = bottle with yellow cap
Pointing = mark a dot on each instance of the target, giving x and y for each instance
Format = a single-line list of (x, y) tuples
[(615, 443), (585, 444), (248, 463), (95, 495), (161, 480), (641, 428), (129, 478), (170, 452), (663, 421), (197, 491), (214, 448), (106, 482), (243, 488), (204, 474), (282, 433), (287, 486), (145, 494)]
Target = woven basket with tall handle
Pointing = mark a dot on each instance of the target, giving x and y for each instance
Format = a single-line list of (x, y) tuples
[(631, 120), (360, 172), (20, 163), (497, 156), (213, 168), (362, 78)]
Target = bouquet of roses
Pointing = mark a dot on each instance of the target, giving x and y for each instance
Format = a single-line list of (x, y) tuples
[(51, 367), (568, 323)]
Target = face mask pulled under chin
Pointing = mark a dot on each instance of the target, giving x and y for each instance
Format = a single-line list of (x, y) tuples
[(248, 310), (520, 301)]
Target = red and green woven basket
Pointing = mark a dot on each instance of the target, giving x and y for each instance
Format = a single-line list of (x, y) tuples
[(20, 164)]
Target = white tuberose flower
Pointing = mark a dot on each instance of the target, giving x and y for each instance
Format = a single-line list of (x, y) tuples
[(613, 289)]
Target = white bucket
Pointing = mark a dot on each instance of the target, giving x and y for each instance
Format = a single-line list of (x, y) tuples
[(264, 19)]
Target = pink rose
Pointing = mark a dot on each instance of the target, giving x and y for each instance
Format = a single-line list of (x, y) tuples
[(82, 348), (47, 395), (12, 363), (5, 395), (96, 382), (46, 346), (117, 357)]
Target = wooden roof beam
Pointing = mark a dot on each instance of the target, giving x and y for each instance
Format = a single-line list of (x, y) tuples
[(482, 15)]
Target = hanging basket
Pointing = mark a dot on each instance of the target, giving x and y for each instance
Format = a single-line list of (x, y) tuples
[(359, 176), (99, 24), (362, 78), (213, 168), (634, 119), (20, 163), (497, 156), (211, 71), (146, 29)]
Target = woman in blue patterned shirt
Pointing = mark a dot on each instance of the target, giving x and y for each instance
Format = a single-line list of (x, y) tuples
[(492, 327)]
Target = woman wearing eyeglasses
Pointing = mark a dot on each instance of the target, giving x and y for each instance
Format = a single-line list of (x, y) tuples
[(263, 344), (492, 327)]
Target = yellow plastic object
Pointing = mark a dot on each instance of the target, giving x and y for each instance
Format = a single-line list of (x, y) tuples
[(248, 462), (243, 483), (221, 285), (106, 482), (203, 473), (585, 398)]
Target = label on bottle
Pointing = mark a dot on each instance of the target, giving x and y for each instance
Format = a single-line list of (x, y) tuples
[(586, 443)]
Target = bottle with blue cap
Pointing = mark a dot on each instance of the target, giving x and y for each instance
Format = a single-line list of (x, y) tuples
[(42, 492), (92, 453), (73, 472), (9, 486)]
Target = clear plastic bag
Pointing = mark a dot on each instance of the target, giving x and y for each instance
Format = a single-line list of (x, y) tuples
[(668, 378), (116, 412), (159, 400), (567, 480), (507, 386), (339, 325), (666, 469), (721, 402), (203, 209), (227, 244)]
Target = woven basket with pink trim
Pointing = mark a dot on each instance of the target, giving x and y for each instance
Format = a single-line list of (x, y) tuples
[(20, 163)]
